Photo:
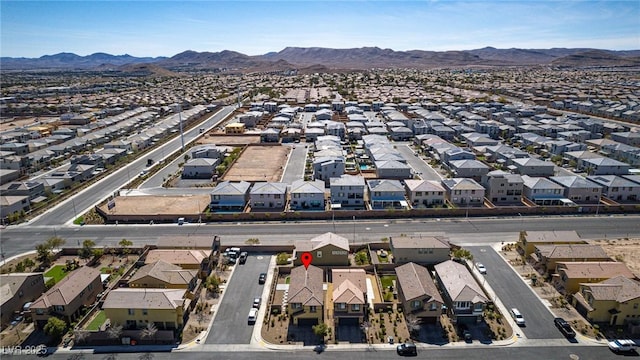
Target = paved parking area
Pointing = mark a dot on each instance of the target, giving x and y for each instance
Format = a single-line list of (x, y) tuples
[(350, 333), (230, 324)]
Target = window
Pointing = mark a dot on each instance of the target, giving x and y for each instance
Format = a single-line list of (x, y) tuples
[(319, 254), (296, 306), (145, 312), (313, 309), (131, 312), (342, 306), (355, 307), (433, 307), (416, 304), (58, 308), (478, 307)]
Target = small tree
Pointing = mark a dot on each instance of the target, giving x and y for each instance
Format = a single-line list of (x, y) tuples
[(361, 257), (55, 242), (114, 331), (124, 243), (149, 332), (28, 263), (462, 254), (212, 283), (282, 259), (55, 327), (86, 251), (43, 254), (413, 323), (321, 330), (79, 336)]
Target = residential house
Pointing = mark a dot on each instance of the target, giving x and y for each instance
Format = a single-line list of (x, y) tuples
[(503, 187), (13, 204), (270, 135), (16, 291), (306, 296), (605, 166), (135, 308), (349, 296), (230, 196), (268, 196), (533, 167), (307, 195), (548, 256), (424, 193), (530, 239), (68, 297), (464, 192), (240, 128), (569, 275), (612, 302), (579, 189), (426, 250), (542, 191), (163, 275), (327, 167), (200, 260), (385, 194), (393, 169), (473, 169), (617, 188), (418, 293), (327, 249), (348, 191), (200, 168), (464, 297)]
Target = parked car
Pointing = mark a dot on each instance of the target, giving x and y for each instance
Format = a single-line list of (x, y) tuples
[(407, 349), (517, 316), (243, 257), (622, 345), (564, 328), (262, 278), (481, 268), (256, 302), (253, 316)]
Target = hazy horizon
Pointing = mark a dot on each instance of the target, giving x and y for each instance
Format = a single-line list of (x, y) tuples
[(165, 28)]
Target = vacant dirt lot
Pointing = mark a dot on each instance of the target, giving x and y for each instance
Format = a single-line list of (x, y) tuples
[(259, 163), (230, 140), (151, 205), (626, 250)]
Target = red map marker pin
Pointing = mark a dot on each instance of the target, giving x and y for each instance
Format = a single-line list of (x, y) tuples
[(306, 259)]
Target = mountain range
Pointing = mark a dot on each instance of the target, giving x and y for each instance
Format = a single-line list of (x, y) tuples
[(316, 59)]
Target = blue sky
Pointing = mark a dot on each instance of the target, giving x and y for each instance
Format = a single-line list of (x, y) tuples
[(165, 28)]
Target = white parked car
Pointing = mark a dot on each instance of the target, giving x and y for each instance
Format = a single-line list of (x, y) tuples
[(622, 345), (481, 268), (256, 302), (517, 316), (253, 316)]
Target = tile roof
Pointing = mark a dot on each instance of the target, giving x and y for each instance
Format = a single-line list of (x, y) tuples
[(415, 282), (423, 185), (420, 242), (349, 285), (619, 288), (594, 270), (131, 298), (459, 283), (68, 288), (553, 236), (165, 272), (321, 241), (183, 257), (305, 286), (11, 283), (573, 251)]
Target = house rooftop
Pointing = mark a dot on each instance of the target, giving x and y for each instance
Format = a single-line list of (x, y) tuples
[(415, 282), (306, 286), (131, 298), (594, 270)]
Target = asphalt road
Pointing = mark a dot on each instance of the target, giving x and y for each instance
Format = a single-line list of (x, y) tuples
[(514, 293), (474, 231), (294, 169), (94, 194), (230, 325), (418, 164), (541, 352)]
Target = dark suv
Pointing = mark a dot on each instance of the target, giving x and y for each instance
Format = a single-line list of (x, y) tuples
[(564, 327), (407, 349), (243, 257)]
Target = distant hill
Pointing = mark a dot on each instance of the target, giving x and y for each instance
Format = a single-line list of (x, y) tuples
[(70, 61), (327, 59)]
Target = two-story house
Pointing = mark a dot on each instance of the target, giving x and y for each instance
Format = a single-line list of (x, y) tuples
[(464, 297), (464, 192), (135, 308), (349, 296), (16, 290), (424, 193), (569, 275), (548, 256), (327, 249), (229, 196), (306, 295), (503, 187), (163, 275), (270, 196), (348, 191), (530, 239), (67, 298), (307, 195), (427, 250), (418, 293), (613, 302), (385, 193)]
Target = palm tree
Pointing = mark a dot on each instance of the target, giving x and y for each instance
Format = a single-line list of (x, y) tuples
[(149, 332)]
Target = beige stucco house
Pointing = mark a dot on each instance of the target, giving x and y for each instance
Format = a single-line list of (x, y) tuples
[(418, 293), (306, 295), (327, 249), (134, 308), (349, 296), (615, 301), (426, 250)]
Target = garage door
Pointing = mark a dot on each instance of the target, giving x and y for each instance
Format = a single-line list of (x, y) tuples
[(349, 322)]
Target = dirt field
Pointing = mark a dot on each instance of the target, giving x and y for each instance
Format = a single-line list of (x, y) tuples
[(151, 205), (259, 163), (626, 250), (230, 140)]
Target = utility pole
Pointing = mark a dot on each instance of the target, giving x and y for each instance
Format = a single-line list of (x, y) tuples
[(181, 132)]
